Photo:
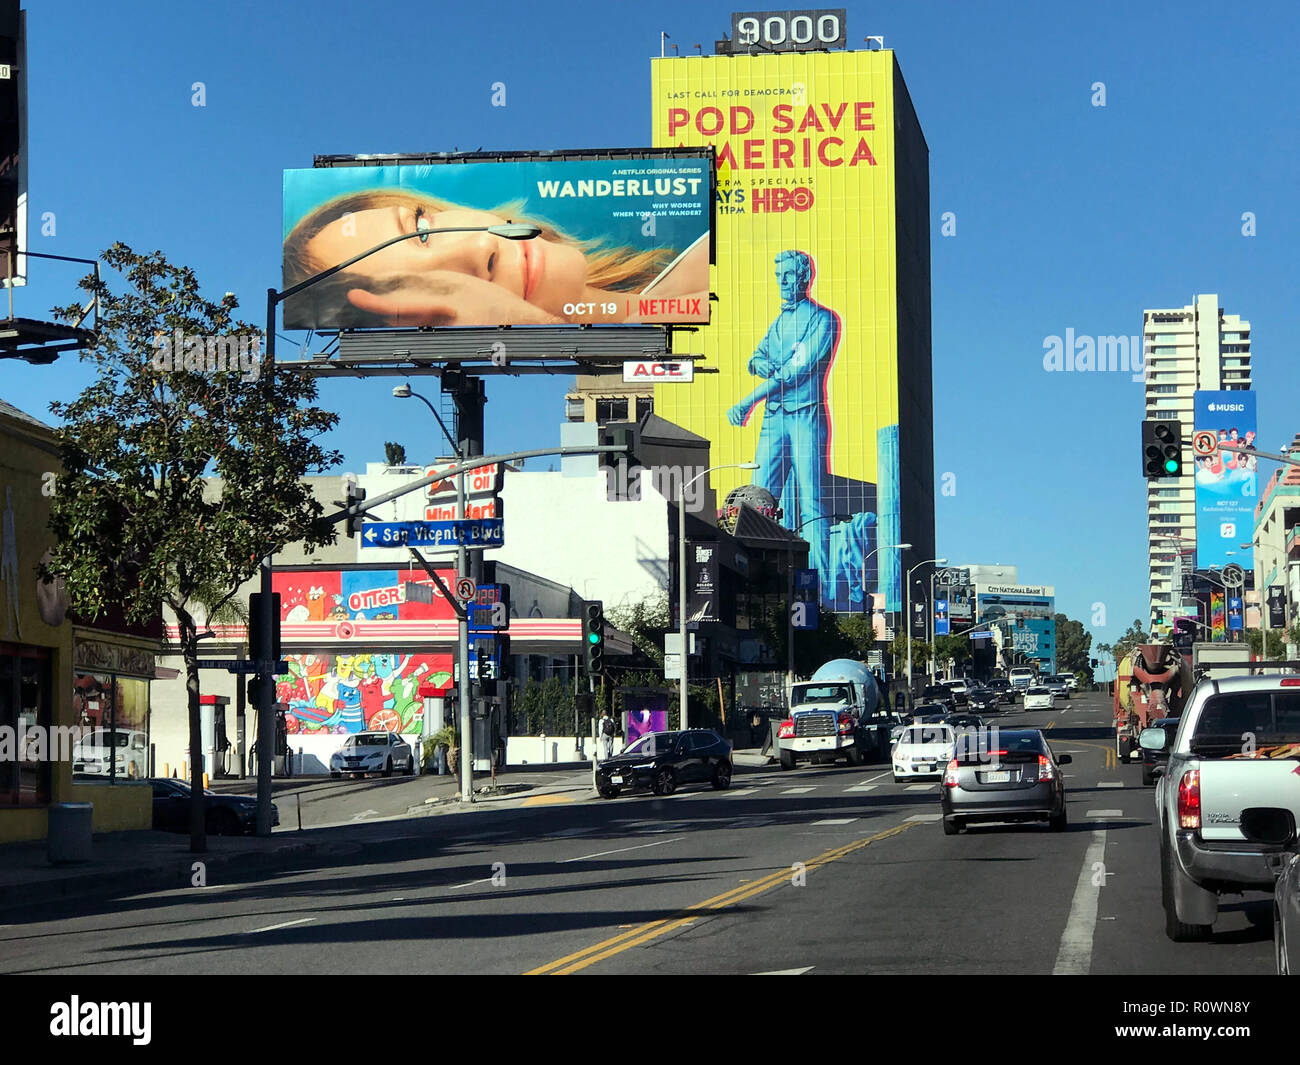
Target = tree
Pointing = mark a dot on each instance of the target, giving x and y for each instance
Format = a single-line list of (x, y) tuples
[(1272, 649), (1073, 647), (1135, 635), (952, 650), (180, 393), (645, 621), (394, 454)]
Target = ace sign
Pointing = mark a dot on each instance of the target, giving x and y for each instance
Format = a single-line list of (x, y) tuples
[(659, 373)]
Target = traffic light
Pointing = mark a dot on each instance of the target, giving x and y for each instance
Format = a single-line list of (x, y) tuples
[(593, 637), (623, 469), (356, 496), (255, 605), (1162, 449), (13, 134)]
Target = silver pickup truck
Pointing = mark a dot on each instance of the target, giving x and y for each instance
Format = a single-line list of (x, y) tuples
[(1228, 799)]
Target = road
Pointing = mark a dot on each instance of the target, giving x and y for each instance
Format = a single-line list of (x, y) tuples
[(823, 870)]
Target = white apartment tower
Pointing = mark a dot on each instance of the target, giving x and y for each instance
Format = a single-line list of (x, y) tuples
[(1186, 349)]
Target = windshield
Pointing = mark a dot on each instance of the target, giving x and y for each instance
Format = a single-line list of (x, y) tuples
[(821, 693), (927, 734), (368, 739), (102, 739), (653, 744), (1259, 724)]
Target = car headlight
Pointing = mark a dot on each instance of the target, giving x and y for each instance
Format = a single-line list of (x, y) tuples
[(644, 765)]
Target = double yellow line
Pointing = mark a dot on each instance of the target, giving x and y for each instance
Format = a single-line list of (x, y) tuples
[(641, 934), (1108, 750)]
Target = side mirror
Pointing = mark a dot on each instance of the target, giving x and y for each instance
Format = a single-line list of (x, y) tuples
[(1153, 739), (1065, 759)]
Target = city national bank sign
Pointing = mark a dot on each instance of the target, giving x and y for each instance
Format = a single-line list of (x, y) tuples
[(1032, 610), (805, 333)]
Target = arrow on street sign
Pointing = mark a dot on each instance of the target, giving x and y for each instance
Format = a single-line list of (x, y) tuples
[(1204, 442), (241, 665), (467, 532)]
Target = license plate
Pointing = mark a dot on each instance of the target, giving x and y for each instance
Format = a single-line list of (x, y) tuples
[(616, 780), (997, 778)]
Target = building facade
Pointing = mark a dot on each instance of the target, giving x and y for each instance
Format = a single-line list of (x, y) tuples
[(1188, 349), (1277, 545)]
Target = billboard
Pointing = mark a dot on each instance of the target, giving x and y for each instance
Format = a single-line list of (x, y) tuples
[(1028, 614), (1277, 606), (1225, 481), (959, 589), (805, 334), (624, 240)]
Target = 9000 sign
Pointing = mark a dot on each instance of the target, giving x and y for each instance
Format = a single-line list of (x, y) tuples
[(789, 31)]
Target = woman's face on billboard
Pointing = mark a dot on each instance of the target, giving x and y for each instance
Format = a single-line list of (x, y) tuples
[(543, 273)]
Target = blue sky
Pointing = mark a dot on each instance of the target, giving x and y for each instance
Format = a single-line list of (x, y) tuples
[(1068, 215)]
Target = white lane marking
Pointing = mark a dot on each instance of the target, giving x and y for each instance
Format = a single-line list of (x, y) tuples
[(787, 972), (1110, 783), (919, 787), (797, 791), (743, 791), (863, 787), (1104, 813), (364, 814), (457, 887), (620, 850), (1074, 956), (924, 818), (835, 821), (876, 777), (284, 924)]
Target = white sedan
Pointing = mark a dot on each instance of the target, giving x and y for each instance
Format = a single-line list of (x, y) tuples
[(373, 752), (1039, 699), (923, 751)]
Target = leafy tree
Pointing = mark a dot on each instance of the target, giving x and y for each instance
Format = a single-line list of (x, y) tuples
[(1272, 649), (1135, 635), (134, 520), (1073, 648), (646, 622), (394, 454), (952, 650)]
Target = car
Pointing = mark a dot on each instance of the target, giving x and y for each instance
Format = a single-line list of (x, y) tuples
[(226, 815), (939, 693), (1150, 758), (1072, 680), (373, 752), (968, 722), (1004, 689), (1039, 697), (1059, 688), (1021, 677), (959, 688), (983, 700), (1286, 919), (661, 761), (1019, 780), (922, 750), (131, 749)]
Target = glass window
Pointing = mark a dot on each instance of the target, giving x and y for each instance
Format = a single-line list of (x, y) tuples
[(25, 708), (611, 410), (112, 712), (644, 405)]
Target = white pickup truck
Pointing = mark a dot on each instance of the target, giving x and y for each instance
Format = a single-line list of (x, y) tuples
[(1228, 799)]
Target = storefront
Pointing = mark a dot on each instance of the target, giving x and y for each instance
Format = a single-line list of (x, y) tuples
[(44, 651)]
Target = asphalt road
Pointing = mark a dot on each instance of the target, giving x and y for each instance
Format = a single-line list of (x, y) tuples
[(824, 870)]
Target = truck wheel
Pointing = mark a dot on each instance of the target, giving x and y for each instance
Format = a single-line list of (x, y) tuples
[(854, 756), (788, 760), (1178, 931)]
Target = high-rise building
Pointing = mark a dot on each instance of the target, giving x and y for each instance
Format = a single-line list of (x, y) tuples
[(1187, 349), (820, 337)]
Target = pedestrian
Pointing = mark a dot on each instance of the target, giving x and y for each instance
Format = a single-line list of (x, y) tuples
[(607, 733)]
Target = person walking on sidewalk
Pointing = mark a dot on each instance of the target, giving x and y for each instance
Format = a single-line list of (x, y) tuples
[(607, 733)]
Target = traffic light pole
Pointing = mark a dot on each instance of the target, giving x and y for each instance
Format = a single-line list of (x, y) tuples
[(462, 650)]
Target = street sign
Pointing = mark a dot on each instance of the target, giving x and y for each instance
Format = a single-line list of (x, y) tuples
[(419, 593), (803, 615), (465, 589), (1204, 442), (473, 534), (660, 373), (482, 481), (240, 665), (941, 617)]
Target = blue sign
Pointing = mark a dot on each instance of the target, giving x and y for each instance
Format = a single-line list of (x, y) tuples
[(805, 580), (941, 617), (1225, 481), (803, 615), (470, 532), (1234, 613)]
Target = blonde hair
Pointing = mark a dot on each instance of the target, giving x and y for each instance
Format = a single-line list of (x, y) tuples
[(618, 269)]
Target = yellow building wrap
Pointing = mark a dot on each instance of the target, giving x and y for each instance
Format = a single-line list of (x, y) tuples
[(808, 374)]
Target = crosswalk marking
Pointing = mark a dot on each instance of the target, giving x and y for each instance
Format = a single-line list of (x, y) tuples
[(797, 791), (863, 787), (1110, 783), (925, 817), (919, 787), (1104, 813), (835, 821), (742, 791)]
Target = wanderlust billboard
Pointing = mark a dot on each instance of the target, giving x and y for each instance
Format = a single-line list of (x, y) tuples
[(804, 336), (1226, 481), (624, 240)]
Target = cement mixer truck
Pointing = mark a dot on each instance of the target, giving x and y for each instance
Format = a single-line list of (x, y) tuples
[(1153, 681), (837, 714)]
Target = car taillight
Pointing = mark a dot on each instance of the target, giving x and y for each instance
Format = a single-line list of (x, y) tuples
[(846, 722), (1044, 767), (950, 775), (1290, 682), (1189, 800), (786, 730)]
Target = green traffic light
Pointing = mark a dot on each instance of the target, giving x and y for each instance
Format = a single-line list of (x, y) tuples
[(593, 637), (1171, 465)]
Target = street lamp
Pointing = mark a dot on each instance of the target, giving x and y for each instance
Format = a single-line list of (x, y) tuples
[(266, 617), (908, 622), (681, 574)]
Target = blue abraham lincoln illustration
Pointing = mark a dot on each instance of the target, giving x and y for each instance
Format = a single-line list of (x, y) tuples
[(792, 361)]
